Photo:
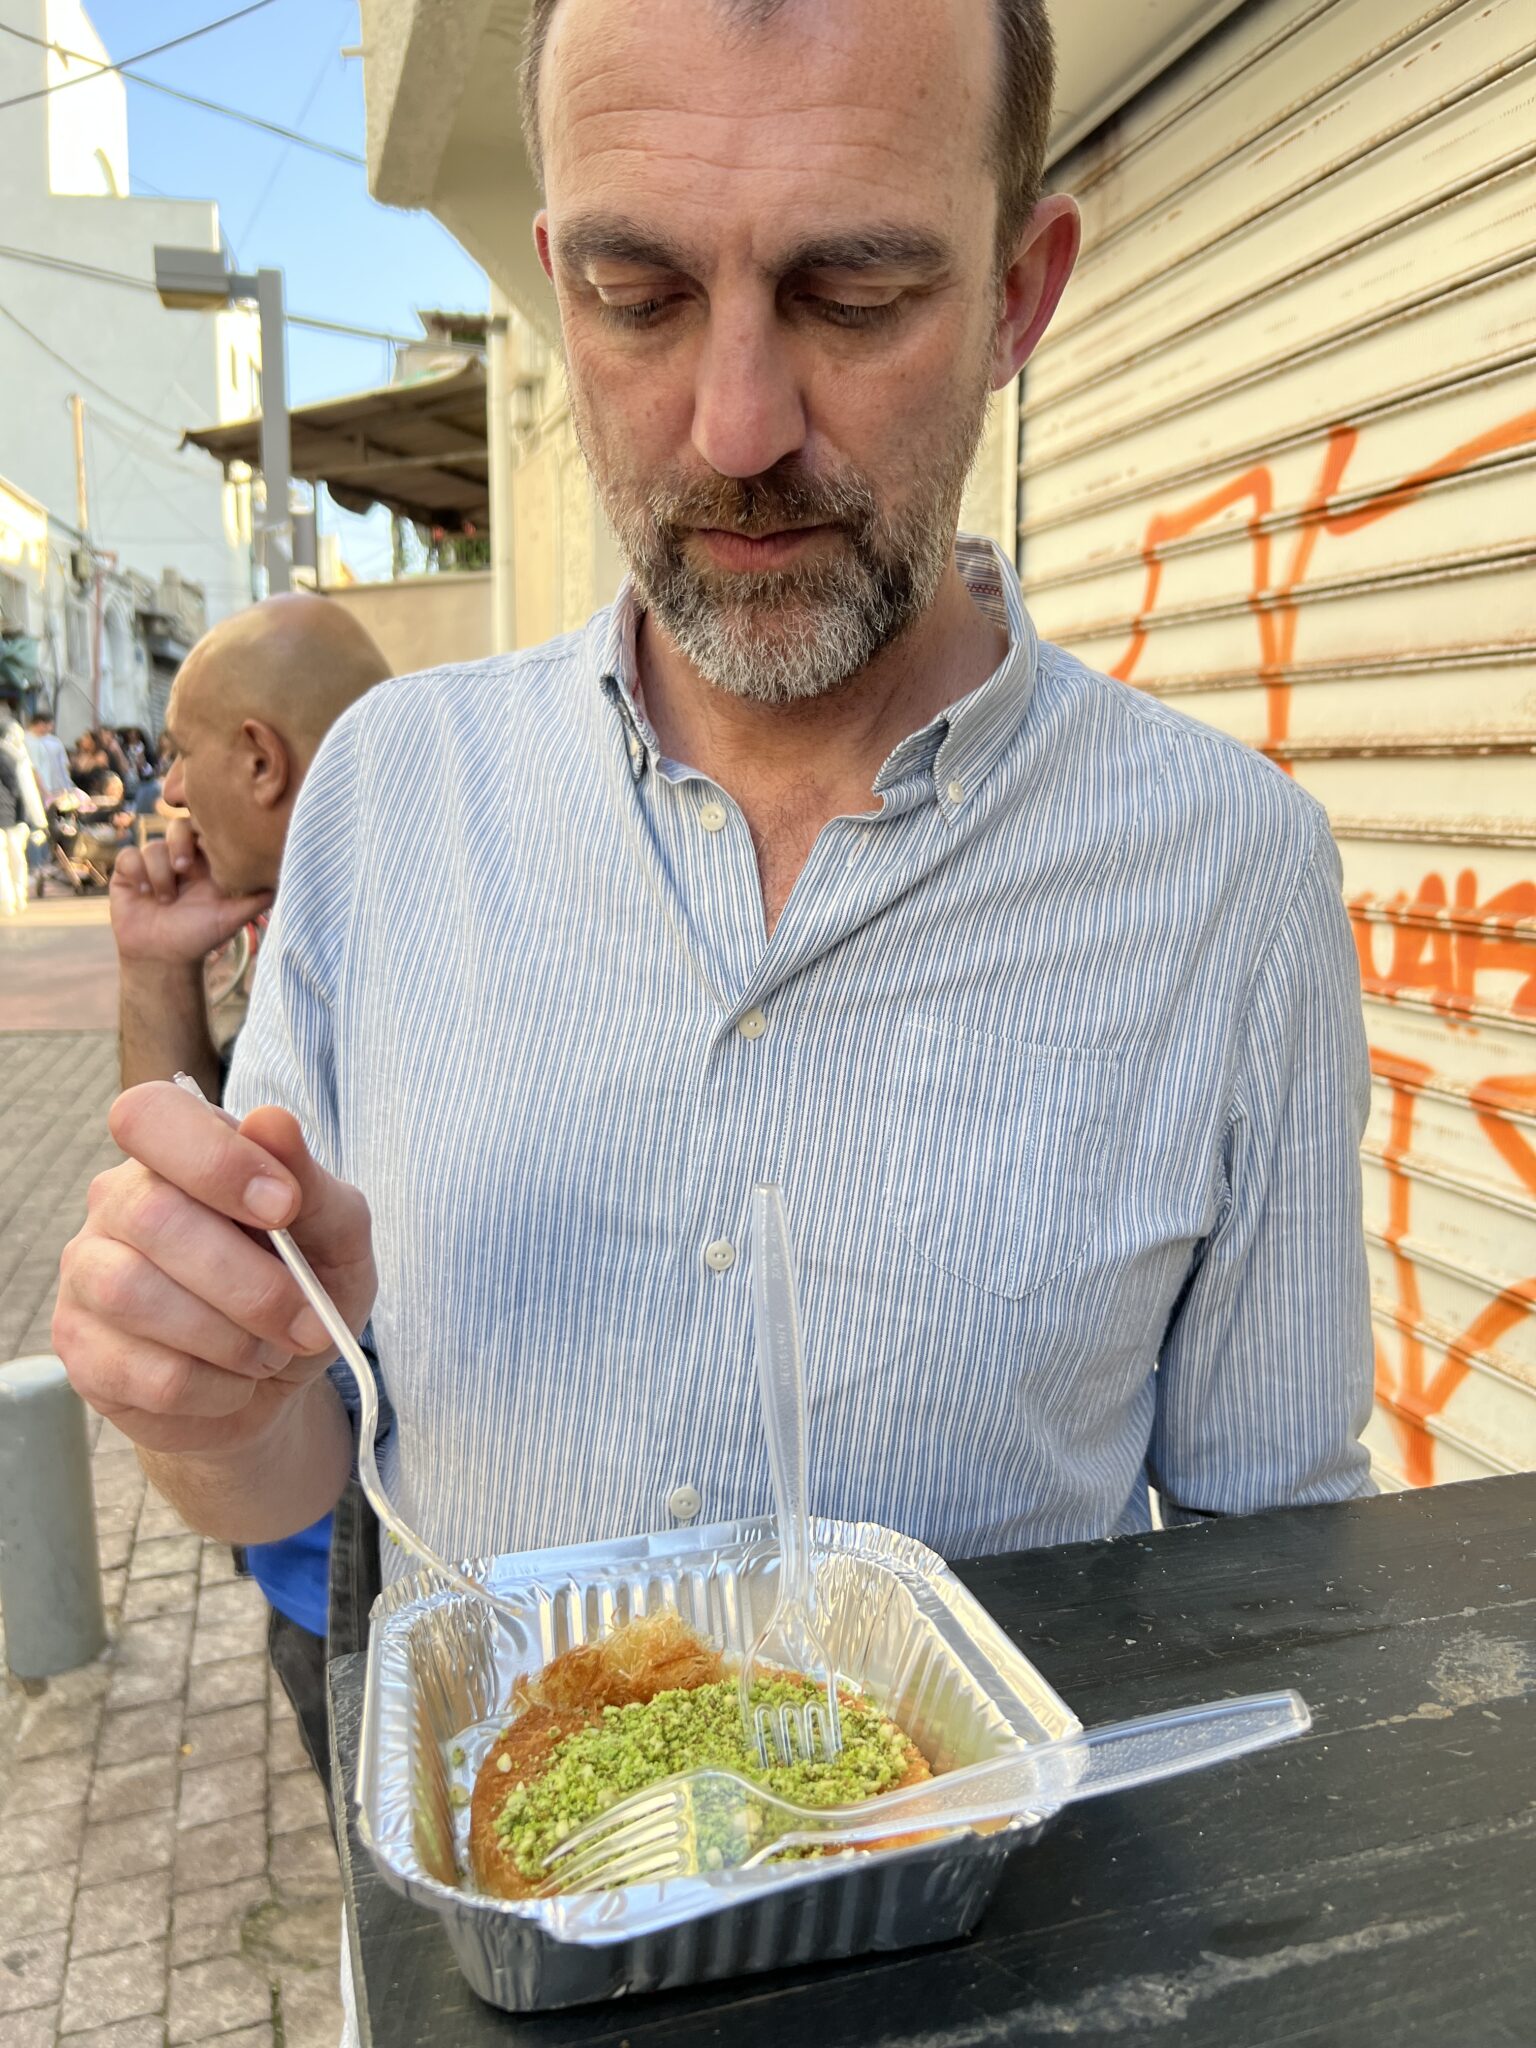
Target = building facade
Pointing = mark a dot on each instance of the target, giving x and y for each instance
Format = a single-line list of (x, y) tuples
[(80, 321)]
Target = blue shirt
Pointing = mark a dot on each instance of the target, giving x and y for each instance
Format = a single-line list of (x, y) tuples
[(1056, 1052), (295, 1574)]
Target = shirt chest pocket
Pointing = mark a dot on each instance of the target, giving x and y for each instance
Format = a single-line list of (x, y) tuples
[(1001, 1181)]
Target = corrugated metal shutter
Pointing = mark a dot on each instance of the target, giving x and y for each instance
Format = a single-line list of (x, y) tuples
[(1279, 467)]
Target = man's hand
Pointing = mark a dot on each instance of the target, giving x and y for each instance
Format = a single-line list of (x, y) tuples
[(173, 1320), (164, 905)]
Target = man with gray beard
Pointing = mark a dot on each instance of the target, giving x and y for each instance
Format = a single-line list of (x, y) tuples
[(814, 865)]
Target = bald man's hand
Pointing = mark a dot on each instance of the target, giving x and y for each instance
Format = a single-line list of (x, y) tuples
[(165, 908), (175, 1320)]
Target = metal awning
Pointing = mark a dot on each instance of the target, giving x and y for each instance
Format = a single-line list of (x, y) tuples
[(418, 448)]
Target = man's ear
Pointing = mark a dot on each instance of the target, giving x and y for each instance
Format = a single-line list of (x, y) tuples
[(269, 763), (1034, 282), (541, 242)]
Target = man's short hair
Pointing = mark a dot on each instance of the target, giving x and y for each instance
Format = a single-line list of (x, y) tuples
[(1021, 124)]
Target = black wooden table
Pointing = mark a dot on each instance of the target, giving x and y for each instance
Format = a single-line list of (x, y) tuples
[(1372, 1883)]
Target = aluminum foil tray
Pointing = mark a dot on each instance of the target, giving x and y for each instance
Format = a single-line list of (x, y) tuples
[(899, 1624)]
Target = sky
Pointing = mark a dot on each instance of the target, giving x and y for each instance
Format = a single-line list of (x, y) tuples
[(344, 256)]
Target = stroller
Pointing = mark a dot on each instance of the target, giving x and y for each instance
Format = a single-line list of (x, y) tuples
[(84, 846)]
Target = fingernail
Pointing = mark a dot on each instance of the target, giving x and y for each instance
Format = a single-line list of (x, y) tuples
[(306, 1332), (181, 863), (268, 1200)]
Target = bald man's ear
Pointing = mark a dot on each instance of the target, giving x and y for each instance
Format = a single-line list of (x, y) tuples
[(269, 764)]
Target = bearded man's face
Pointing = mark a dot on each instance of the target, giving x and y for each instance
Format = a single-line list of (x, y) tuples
[(774, 252)]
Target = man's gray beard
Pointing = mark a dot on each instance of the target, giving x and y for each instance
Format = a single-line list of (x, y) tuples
[(787, 636)]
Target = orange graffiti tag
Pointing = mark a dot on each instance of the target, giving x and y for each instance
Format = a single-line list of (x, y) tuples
[(1440, 945)]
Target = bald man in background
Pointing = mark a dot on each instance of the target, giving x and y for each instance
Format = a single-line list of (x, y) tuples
[(251, 704)]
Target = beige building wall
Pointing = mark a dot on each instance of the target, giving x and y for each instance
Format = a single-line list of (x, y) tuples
[(424, 621)]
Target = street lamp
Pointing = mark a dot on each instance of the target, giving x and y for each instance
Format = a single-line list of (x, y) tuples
[(200, 280)]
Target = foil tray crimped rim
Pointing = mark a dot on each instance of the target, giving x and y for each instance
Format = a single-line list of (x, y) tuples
[(487, 1931)]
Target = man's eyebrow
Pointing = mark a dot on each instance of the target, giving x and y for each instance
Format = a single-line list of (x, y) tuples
[(870, 249), (609, 238), (613, 239)]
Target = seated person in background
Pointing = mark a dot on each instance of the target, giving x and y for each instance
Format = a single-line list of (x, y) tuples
[(251, 704)]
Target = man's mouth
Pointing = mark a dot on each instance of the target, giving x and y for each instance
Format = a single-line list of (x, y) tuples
[(729, 549)]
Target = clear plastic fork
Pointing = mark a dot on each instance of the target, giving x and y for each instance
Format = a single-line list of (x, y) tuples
[(790, 1642), (713, 1820)]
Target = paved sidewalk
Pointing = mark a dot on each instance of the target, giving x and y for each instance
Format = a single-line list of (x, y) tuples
[(58, 966), (166, 1871)]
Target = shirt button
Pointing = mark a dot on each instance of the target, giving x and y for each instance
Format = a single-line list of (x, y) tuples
[(720, 1256), (684, 1502), (955, 791), (712, 817), (752, 1025)]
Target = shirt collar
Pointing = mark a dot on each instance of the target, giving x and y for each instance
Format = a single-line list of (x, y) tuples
[(952, 755)]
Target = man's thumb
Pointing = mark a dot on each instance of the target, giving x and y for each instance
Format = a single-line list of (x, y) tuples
[(332, 1221)]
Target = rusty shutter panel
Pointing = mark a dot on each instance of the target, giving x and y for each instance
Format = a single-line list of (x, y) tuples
[(1278, 465)]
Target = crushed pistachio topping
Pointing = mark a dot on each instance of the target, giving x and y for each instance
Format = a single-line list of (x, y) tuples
[(698, 1728)]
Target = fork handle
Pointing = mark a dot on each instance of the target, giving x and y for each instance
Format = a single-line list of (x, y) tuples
[(1108, 1759), (781, 1381)]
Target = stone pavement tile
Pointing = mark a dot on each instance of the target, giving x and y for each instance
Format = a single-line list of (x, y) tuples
[(36, 1903), (125, 1848), (236, 1634), (147, 1785), (286, 1751), (138, 1732), (31, 1972), (159, 1518), (167, 1594), (212, 1922), (233, 1683), (212, 1998), (50, 1725), (222, 1791), (296, 1801), (151, 1661), (310, 2006), (117, 1478), (49, 1781), (222, 1852), (114, 1585), (154, 1555), (122, 1915), (303, 1864), (231, 1732), (217, 1565), (114, 1545), (36, 2028), (249, 2037), (49, 1840), (119, 1986), (148, 2032), (111, 1438)]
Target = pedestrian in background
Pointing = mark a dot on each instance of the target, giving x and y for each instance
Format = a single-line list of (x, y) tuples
[(50, 759), (21, 807)]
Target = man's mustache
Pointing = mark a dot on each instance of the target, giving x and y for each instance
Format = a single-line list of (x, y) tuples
[(754, 506)]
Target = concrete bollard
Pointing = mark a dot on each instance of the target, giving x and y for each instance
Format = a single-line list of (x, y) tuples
[(50, 1575)]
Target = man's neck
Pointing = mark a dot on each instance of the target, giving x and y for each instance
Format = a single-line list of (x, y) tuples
[(792, 768)]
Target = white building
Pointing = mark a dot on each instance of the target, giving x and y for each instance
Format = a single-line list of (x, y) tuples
[(142, 372)]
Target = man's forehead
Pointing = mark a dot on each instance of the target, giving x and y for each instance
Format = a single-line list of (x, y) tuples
[(700, 92)]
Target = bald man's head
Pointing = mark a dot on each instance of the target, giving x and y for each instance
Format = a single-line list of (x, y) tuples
[(252, 702), (295, 661)]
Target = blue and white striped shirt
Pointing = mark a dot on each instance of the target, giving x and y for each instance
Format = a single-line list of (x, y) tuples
[(1056, 1052)]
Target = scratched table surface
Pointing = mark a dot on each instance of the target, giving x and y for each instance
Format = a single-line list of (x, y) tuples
[(1374, 1882)]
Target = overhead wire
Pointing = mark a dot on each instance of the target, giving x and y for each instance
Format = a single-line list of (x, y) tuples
[(175, 43), (191, 99), (146, 284)]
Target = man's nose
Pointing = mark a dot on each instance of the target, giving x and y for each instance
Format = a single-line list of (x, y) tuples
[(172, 787), (748, 409)]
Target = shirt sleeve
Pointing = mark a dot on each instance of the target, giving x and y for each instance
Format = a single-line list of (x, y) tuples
[(1264, 1381), (288, 1049)]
